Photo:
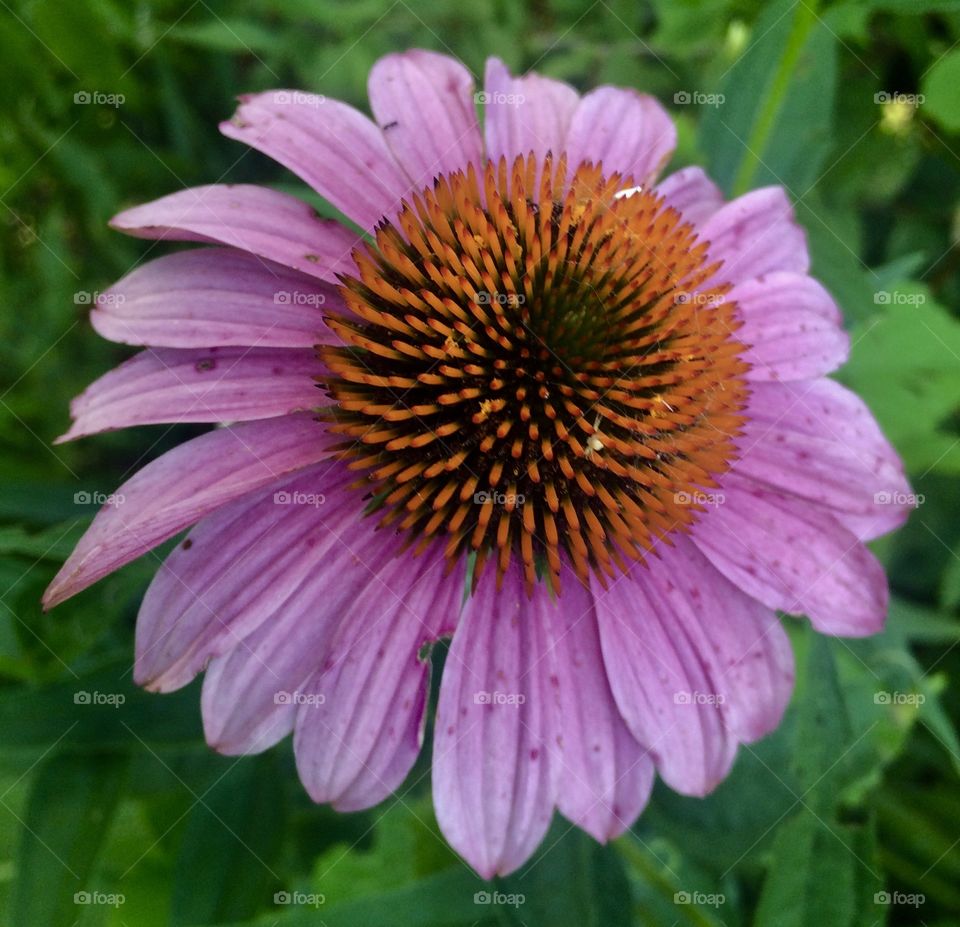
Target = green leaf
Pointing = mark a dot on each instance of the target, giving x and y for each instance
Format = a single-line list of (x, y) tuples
[(940, 89), (71, 805), (905, 363), (820, 873), (226, 867), (773, 126)]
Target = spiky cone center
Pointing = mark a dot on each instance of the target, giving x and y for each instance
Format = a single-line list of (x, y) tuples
[(554, 377)]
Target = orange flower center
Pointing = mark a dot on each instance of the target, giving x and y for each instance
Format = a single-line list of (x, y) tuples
[(537, 367)]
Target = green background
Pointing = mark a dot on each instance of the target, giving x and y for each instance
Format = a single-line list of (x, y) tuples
[(851, 797)]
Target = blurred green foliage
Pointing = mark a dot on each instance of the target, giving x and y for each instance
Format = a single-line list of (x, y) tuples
[(854, 106)]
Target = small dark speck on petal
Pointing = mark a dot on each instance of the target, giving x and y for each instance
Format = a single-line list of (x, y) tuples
[(534, 754), (312, 258), (391, 125), (187, 544), (204, 364)]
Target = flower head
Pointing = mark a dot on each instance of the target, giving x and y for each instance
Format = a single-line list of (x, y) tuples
[(573, 417)]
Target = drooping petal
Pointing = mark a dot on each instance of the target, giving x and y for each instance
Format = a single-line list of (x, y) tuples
[(252, 693), (756, 234), (794, 556), (424, 103), (360, 734), (627, 131), (492, 785), (603, 775), (819, 441), (216, 296), (238, 567), (692, 193), (524, 114), (739, 640), (333, 147), (264, 222), (190, 385), (666, 693), (792, 325), (179, 488)]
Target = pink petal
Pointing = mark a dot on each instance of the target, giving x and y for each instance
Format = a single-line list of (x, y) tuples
[(756, 234), (627, 131), (492, 785), (264, 222), (240, 566), (692, 193), (424, 103), (524, 114), (792, 325), (655, 672), (740, 641), (211, 385), (795, 557), (331, 146), (216, 296), (604, 776), (818, 441), (252, 693), (358, 740), (179, 488)]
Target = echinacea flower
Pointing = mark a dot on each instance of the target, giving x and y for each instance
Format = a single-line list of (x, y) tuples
[(568, 415)]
